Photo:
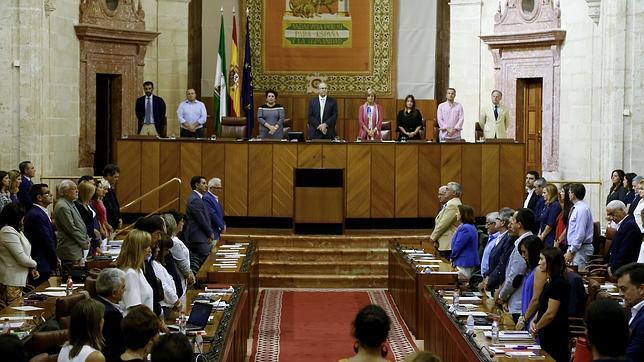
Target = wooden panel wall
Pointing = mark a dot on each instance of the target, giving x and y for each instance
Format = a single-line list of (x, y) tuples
[(383, 180)]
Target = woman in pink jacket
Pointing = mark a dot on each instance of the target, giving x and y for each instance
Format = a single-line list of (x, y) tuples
[(370, 118)]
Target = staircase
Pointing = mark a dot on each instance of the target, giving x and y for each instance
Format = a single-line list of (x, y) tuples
[(324, 261)]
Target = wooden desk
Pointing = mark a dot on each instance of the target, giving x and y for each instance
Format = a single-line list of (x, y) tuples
[(406, 283), (228, 331), (246, 273), (383, 180), (445, 334), (37, 317)]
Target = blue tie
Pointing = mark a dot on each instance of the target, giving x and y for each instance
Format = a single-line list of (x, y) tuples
[(148, 111)]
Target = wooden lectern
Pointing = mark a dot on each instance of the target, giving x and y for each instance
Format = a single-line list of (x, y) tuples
[(318, 198)]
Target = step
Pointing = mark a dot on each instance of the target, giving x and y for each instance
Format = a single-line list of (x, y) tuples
[(322, 254), (322, 281), (326, 241), (325, 267)]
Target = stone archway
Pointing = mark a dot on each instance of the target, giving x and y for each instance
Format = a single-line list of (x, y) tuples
[(113, 41)]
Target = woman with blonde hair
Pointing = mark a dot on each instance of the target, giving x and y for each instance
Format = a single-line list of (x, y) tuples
[(548, 217), (85, 333), (135, 248), (16, 179), (97, 204), (370, 118), (85, 192)]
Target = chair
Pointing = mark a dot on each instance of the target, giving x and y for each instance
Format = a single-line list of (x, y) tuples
[(288, 124), (48, 342), (90, 286), (233, 127), (478, 132), (64, 306), (385, 131)]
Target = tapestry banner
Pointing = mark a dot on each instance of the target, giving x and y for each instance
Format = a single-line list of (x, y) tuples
[(347, 43)]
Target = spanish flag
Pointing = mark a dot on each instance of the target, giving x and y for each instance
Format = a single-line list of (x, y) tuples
[(234, 84)]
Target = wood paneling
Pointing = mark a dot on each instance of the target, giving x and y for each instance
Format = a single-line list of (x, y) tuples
[(319, 205), (358, 181), (429, 173), (309, 155), (406, 180), (190, 166), (450, 163), (236, 186), (489, 179), (214, 165), (150, 155), (284, 161), (129, 187), (471, 176), (169, 167), (511, 170), (334, 155), (260, 179), (383, 180)]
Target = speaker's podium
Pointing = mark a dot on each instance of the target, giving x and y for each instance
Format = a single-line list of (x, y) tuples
[(318, 201)]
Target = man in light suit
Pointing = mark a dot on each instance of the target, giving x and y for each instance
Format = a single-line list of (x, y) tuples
[(495, 117), (150, 112), (197, 230), (323, 112), (446, 222), (630, 283), (213, 207), (72, 232), (40, 232)]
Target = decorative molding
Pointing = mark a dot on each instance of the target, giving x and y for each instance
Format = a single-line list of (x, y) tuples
[(50, 6), (545, 14), (594, 10), (127, 14)]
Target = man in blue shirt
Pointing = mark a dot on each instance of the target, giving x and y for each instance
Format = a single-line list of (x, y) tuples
[(493, 234), (192, 116), (580, 229)]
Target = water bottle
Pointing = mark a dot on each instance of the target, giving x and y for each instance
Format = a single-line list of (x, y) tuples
[(198, 347), (182, 323), (470, 323), (69, 286), (495, 332), (457, 296)]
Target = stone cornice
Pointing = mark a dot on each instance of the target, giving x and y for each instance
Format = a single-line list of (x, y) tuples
[(123, 36), (525, 39)]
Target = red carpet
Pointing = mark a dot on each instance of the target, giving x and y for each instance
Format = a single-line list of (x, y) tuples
[(316, 325)]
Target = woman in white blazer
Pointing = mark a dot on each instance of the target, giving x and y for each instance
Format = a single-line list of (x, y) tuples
[(135, 248), (15, 254)]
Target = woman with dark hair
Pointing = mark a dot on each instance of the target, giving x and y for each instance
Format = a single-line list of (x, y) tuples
[(409, 120), (530, 249), (140, 328), (85, 336), (15, 254), (551, 322), (5, 184), (465, 243), (370, 329), (161, 265), (617, 190), (270, 117), (562, 219), (548, 216), (630, 189), (370, 118)]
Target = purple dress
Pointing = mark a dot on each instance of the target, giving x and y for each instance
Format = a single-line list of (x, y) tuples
[(526, 296)]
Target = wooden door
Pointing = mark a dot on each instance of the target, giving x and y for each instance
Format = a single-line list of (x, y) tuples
[(529, 93)]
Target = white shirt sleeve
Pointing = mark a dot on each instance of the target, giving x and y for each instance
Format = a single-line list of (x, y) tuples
[(167, 283)]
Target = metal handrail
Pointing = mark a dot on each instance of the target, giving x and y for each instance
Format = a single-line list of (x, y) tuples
[(175, 179), (176, 199)]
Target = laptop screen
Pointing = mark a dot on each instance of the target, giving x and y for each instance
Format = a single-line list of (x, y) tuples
[(199, 314), (298, 136)]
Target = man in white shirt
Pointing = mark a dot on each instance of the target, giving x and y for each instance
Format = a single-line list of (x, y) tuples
[(630, 282), (192, 116)]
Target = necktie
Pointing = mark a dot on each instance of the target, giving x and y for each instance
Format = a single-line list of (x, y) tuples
[(148, 111), (322, 102), (496, 112)]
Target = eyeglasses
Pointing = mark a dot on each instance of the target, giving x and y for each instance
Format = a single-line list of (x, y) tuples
[(45, 193)]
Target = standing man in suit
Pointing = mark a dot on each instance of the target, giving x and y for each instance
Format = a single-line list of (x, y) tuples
[(323, 113), (445, 222), (150, 112), (213, 207), (500, 253), (27, 172), (630, 282), (40, 233), (495, 117), (72, 232), (625, 247), (532, 195), (197, 230), (110, 286), (111, 173)]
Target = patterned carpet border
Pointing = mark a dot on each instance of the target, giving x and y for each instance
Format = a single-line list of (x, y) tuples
[(268, 325)]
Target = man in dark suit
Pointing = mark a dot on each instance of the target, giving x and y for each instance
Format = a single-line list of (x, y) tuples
[(27, 172), (197, 231), (532, 195), (323, 113), (637, 184), (500, 254), (40, 233), (111, 173), (110, 286), (630, 282), (625, 247), (606, 330), (213, 207), (150, 112)]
